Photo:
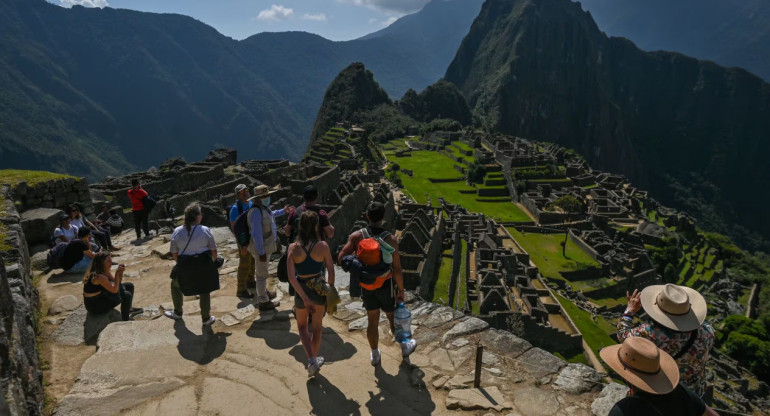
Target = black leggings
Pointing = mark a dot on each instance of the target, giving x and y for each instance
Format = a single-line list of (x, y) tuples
[(140, 223), (103, 237), (106, 301)]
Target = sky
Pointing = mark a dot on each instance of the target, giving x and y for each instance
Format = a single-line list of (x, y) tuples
[(239, 19)]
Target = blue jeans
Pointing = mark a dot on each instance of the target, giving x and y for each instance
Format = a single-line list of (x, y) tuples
[(81, 266)]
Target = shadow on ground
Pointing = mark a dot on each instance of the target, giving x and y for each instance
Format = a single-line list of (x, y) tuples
[(203, 348), (402, 394), (275, 329), (64, 277), (328, 400), (333, 348)]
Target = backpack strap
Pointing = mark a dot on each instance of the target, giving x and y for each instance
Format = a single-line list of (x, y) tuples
[(365, 233), (693, 336)]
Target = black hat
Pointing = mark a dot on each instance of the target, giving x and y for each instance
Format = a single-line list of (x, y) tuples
[(63, 217), (375, 211), (310, 193)]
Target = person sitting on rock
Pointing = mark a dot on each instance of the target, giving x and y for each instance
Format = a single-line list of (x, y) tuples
[(65, 232), (677, 326), (653, 377), (190, 239), (78, 254), (102, 291), (101, 235), (307, 259), (110, 219)]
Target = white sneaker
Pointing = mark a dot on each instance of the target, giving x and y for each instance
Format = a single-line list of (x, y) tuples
[(375, 356), (210, 321), (172, 315), (319, 361), (313, 368), (408, 347)]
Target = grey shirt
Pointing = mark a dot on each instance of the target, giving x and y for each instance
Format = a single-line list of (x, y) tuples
[(202, 240)]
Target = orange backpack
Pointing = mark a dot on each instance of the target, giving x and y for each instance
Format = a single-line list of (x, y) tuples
[(368, 252)]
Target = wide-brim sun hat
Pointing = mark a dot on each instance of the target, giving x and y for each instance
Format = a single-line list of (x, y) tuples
[(643, 365), (676, 307), (261, 191)]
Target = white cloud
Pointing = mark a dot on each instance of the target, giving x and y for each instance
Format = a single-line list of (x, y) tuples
[(395, 6), (373, 20), (389, 21), (318, 17), (275, 12), (85, 3)]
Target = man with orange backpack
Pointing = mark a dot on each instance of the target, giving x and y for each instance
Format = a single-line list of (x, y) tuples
[(381, 281)]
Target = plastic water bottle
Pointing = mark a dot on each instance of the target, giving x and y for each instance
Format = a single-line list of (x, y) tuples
[(402, 318)]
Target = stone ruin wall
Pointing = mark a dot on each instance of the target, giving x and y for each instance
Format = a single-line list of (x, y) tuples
[(21, 376)]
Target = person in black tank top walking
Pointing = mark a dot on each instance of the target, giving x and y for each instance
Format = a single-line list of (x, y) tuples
[(307, 259)]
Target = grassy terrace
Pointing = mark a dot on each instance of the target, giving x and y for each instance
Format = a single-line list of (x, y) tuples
[(426, 164), (545, 252), (595, 334), (32, 177), (441, 291)]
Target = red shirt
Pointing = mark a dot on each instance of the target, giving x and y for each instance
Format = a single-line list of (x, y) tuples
[(136, 198)]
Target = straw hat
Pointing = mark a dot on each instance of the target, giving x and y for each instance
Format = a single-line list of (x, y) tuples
[(641, 363), (262, 191), (677, 307)]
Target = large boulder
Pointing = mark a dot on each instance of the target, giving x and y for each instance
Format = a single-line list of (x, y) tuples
[(38, 224), (83, 327), (213, 217), (505, 342), (577, 379), (611, 394)]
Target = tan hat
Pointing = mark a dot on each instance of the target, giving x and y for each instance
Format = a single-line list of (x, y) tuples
[(240, 188), (262, 191), (641, 363), (677, 307)]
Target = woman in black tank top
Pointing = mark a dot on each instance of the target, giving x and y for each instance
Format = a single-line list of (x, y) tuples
[(102, 291), (307, 258)]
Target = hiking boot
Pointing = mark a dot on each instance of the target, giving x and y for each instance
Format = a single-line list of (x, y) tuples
[(268, 306), (375, 357), (210, 321), (135, 311), (172, 315), (245, 294), (408, 347)]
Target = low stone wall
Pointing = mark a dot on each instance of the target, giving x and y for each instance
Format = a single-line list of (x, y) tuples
[(582, 244), (56, 194), (432, 261), (493, 192), (346, 215), (21, 377)]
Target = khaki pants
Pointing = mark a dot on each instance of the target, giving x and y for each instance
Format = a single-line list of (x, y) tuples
[(246, 270), (261, 272)]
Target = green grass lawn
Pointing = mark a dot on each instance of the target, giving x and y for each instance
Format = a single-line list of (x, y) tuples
[(595, 334), (441, 291), (32, 177), (545, 252), (426, 164), (459, 301)]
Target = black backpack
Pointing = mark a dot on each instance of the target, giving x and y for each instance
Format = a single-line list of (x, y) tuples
[(53, 259), (241, 227)]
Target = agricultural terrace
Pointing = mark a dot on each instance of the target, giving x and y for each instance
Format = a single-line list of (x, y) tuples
[(425, 164), (595, 333)]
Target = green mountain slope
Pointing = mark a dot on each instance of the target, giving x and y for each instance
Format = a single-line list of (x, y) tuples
[(728, 32), (101, 91), (694, 133)]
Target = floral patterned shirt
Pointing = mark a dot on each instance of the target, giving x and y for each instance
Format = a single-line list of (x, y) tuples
[(692, 365)]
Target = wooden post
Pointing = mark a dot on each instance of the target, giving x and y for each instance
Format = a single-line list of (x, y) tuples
[(479, 359)]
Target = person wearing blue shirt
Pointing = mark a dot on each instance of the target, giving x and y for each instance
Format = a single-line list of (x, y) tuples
[(246, 265), (264, 236)]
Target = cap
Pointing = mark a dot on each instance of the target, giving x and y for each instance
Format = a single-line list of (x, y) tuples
[(375, 212), (240, 188)]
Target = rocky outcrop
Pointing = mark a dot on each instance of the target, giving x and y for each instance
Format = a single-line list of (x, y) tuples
[(688, 130), (21, 379)]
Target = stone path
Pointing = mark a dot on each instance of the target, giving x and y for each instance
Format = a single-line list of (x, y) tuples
[(251, 361)]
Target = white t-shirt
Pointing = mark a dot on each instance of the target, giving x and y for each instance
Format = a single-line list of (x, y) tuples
[(70, 234), (78, 222), (202, 240)]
